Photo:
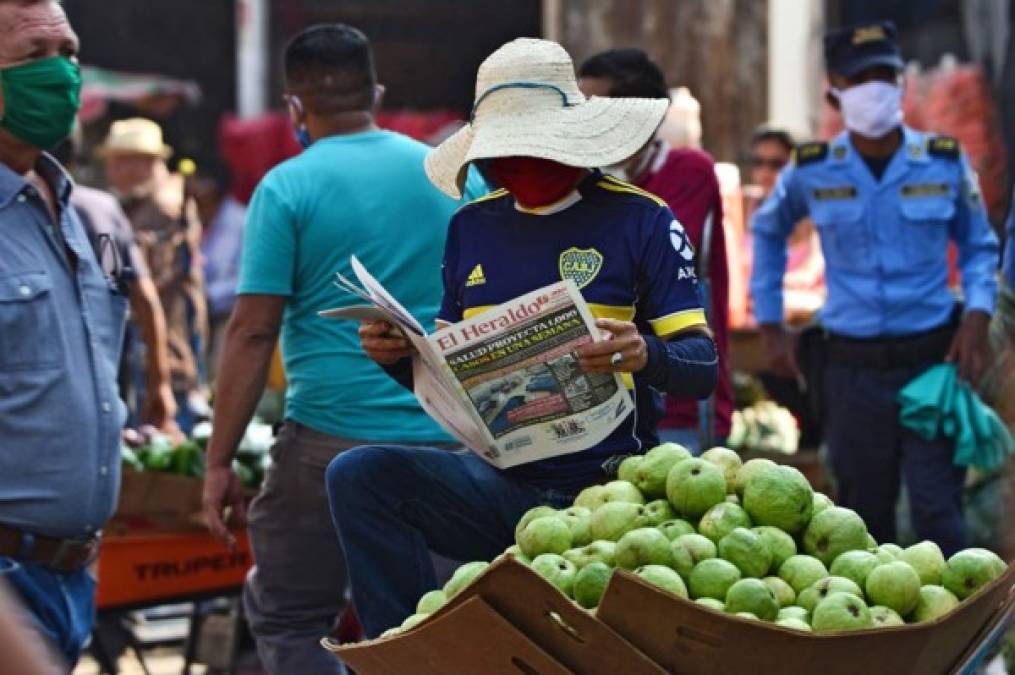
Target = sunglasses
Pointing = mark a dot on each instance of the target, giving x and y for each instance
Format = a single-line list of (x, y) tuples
[(762, 162)]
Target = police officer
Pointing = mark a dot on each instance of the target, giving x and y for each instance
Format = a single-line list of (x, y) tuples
[(886, 200)]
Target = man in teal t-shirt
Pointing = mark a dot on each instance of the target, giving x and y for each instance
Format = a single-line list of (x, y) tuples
[(354, 190)]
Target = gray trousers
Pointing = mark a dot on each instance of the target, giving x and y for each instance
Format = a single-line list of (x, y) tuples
[(299, 585)]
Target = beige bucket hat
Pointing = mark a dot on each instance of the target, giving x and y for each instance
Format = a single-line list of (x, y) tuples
[(136, 135), (528, 104)]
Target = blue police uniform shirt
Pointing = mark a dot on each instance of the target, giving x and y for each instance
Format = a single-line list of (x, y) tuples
[(61, 330), (885, 242), (1008, 268), (625, 251)]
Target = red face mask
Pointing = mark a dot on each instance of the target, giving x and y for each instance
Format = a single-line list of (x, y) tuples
[(534, 182)]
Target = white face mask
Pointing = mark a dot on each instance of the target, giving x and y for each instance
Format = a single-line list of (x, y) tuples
[(871, 109)]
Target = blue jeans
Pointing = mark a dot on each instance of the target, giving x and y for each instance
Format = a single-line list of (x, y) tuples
[(392, 504), (59, 606)]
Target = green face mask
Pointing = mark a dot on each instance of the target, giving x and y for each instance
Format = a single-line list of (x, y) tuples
[(41, 100)]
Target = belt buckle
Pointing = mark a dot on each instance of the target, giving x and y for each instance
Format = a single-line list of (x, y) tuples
[(68, 556)]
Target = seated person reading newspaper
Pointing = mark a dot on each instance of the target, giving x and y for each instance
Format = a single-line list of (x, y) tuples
[(555, 217)]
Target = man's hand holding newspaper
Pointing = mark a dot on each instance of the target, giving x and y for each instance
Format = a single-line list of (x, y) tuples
[(529, 379)]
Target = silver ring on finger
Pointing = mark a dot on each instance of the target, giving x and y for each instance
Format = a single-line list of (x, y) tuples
[(616, 359)]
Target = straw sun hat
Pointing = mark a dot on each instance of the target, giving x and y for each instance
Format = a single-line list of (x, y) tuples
[(135, 136), (528, 104)]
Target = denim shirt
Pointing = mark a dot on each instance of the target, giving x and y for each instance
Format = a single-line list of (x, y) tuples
[(61, 330)]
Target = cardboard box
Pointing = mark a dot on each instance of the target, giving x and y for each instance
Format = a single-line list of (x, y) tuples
[(153, 501), (148, 568), (688, 639), (512, 621)]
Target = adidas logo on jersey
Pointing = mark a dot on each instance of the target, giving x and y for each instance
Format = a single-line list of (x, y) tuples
[(476, 276)]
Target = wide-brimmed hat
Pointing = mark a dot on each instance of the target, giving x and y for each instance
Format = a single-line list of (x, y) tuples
[(135, 136), (528, 104)]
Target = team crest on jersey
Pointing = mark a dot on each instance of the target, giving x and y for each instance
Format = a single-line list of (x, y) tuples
[(580, 265)]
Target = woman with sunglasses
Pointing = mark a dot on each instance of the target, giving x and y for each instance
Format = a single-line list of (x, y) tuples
[(804, 283)]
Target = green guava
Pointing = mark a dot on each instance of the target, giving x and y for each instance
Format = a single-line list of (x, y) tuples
[(412, 621), (711, 578), (969, 570), (751, 468), (934, 602), (532, 514), (801, 571), (546, 534), (675, 527), (885, 617), (722, 519), (754, 596), (555, 569), (794, 612), (610, 521), (780, 497), (688, 550), (896, 585), (463, 576), (747, 551), (663, 577), (727, 460), (431, 602), (643, 546), (598, 551), (833, 532), (819, 503), (794, 624), (590, 582), (855, 565), (650, 474), (928, 561), (821, 589), (780, 545), (784, 593), (657, 512), (694, 486), (841, 611), (712, 603), (627, 468)]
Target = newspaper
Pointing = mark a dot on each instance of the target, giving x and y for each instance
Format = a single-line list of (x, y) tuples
[(506, 383)]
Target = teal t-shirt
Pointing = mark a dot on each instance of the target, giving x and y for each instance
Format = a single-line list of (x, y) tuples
[(362, 194)]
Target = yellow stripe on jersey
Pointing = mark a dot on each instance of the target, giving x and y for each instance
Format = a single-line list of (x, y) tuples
[(618, 312), (473, 311), (611, 312), (615, 185), (670, 324), (496, 194)]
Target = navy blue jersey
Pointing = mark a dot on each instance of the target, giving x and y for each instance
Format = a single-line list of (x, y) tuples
[(628, 255)]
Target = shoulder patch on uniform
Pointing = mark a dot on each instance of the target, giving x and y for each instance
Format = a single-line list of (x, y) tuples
[(616, 185), (808, 153), (943, 146)]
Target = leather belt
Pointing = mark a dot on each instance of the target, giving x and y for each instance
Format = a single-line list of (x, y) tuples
[(890, 353), (59, 555)]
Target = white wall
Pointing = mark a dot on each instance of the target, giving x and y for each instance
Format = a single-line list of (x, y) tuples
[(252, 57), (795, 64)]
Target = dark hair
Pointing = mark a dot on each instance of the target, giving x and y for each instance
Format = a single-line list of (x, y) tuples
[(766, 133), (630, 71), (333, 66), (214, 169)]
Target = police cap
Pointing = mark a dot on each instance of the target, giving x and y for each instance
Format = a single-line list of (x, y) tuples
[(852, 49)]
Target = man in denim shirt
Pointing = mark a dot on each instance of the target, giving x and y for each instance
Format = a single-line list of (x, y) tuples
[(61, 323)]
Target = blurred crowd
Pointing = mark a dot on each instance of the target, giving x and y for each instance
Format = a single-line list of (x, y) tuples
[(177, 235)]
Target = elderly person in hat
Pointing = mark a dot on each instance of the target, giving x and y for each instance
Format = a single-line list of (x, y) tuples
[(538, 138), (168, 231)]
